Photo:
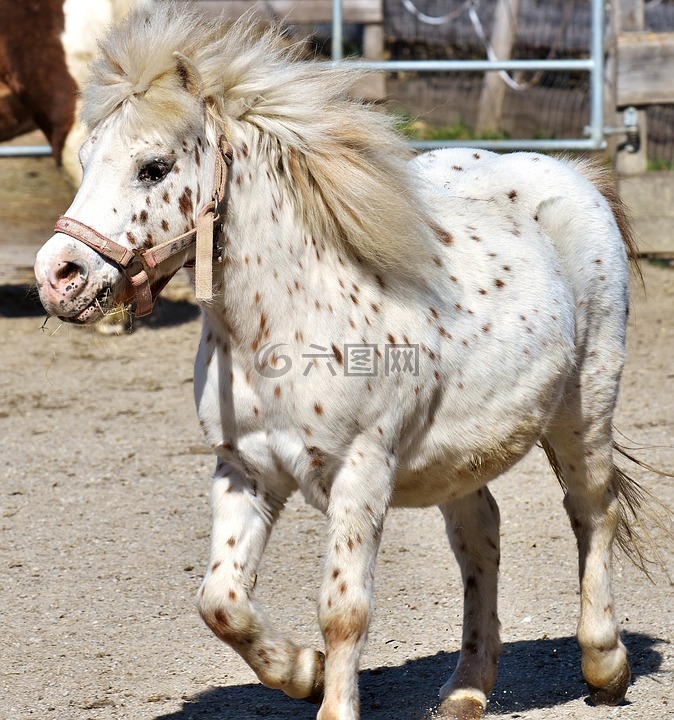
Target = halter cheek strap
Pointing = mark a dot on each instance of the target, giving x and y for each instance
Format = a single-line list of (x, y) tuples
[(136, 263)]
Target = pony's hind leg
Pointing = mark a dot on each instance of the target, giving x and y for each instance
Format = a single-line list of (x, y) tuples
[(473, 529), (243, 516), (579, 448)]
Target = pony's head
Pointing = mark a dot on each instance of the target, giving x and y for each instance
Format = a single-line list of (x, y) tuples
[(166, 87), (149, 166)]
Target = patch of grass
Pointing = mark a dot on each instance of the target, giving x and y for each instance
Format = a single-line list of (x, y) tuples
[(417, 129), (543, 135), (655, 165)]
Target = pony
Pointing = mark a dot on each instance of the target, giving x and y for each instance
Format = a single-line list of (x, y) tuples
[(379, 330)]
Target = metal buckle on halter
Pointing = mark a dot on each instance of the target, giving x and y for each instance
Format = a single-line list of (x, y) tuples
[(218, 236), (218, 248)]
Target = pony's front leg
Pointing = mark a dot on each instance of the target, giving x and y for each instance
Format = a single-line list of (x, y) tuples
[(243, 516), (359, 500)]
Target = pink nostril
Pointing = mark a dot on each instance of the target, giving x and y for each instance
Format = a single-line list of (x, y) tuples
[(68, 276)]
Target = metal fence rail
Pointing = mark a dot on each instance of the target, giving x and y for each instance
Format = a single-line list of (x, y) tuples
[(595, 132), (17, 151)]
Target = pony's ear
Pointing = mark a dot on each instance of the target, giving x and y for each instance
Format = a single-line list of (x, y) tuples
[(188, 74)]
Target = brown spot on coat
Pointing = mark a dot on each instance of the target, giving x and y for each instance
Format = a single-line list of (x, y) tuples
[(338, 354), (345, 628), (443, 236), (185, 203)]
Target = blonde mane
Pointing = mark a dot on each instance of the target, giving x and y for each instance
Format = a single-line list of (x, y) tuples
[(343, 161)]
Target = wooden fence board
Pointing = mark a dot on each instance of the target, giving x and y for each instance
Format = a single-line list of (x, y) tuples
[(645, 69)]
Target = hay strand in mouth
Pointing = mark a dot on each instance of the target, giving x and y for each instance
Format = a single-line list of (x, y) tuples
[(115, 320)]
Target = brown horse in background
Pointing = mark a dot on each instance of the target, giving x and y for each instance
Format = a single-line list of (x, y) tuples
[(36, 88)]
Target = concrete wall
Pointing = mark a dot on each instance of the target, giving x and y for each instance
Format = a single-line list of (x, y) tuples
[(650, 198)]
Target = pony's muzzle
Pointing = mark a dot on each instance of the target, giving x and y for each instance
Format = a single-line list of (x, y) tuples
[(63, 275), (61, 278)]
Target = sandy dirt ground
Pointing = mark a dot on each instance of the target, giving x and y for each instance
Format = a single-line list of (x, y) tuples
[(104, 531)]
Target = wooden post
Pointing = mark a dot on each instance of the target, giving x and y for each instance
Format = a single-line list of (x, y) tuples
[(373, 86), (629, 17), (503, 35)]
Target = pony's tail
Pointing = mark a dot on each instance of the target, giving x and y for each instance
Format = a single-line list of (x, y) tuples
[(641, 512)]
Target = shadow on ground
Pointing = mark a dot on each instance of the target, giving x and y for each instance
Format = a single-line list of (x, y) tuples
[(22, 301), (167, 313), (533, 674)]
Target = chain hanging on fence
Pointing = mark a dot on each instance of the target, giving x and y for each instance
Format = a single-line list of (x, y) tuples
[(471, 6), (511, 82), (479, 31), (429, 19)]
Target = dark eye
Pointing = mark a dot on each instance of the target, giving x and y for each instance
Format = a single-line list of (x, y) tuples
[(154, 171)]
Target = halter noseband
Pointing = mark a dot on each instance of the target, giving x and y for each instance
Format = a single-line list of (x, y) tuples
[(136, 263)]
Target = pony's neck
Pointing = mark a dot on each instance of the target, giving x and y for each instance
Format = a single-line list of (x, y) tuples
[(273, 265)]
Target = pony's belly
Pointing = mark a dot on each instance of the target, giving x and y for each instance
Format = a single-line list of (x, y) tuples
[(442, 472)]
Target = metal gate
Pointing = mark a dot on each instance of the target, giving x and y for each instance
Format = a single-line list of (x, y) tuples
[(595, 131)]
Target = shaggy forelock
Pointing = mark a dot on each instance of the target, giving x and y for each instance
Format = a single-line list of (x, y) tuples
[(135, 70)]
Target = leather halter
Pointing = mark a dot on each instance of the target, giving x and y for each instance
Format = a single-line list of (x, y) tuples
[(136, 263)]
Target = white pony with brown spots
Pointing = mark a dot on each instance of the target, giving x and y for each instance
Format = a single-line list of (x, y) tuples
[(464, 306)]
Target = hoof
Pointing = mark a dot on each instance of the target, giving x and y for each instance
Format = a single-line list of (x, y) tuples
[(461, 706), (613, 693), (315, 697)]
